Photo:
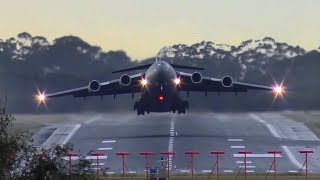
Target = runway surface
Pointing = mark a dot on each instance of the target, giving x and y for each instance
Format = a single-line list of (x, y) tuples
[(203, 132)]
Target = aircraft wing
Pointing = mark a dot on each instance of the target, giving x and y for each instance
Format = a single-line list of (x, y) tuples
[(112, 87), (215, 84)]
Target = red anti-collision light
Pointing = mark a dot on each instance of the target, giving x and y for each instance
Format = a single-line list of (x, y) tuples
[(160, 98)]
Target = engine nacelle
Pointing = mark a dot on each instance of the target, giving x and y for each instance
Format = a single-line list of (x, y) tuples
[(196, 77), (94, 86), (227, 81), (125, 80)]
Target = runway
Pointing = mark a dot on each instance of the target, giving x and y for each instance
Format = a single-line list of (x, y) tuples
[(203, 132)]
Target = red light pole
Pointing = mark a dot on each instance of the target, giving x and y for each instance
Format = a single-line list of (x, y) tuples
[(217, 153), (169, 155), (191, 153), (245, 162), (274, 165), (146, 154), (306, 152), (97, 154), (123, 164), (70, 155)]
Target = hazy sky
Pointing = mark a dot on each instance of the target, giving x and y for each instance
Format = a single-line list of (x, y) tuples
[(142, 27)]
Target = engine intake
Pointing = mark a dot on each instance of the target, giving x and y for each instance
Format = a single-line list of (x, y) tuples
[(125, 80), (196, 77), (94, 86), (227, 81)]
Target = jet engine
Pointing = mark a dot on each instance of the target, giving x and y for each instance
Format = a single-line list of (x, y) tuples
[(125, 80), (196, 77), (227, 81), (94, 86)]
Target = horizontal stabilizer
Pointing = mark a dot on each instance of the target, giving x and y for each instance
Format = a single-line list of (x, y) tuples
[(146, 66), (186, 67)]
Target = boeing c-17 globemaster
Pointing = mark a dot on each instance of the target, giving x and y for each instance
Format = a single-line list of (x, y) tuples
[(160, 86)]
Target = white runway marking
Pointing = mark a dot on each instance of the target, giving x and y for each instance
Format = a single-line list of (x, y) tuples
[(72, 158), (93, 119), (270, 171), (250, 171), (76, 127), (238, 147), (273, 131), (242, 162), (109, 141), (248, 167), (94, 168), (235, 140), (171, 141), (206, 171), (291, 157), (228, 171), (110, 172), (256, 155), (100, 164), (270, 127), (293, 171), (132, 172), (104, 149), (184, 170), (95, 157)]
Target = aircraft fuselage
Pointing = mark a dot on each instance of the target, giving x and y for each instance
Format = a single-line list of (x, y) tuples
[(160, 93)]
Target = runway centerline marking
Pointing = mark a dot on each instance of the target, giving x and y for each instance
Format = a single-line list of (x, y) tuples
[(238, 147), (105, 149), (109, 141), (171, 141), (235, 140)]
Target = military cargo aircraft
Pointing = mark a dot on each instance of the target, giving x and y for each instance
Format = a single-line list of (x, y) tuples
[(160, 86)]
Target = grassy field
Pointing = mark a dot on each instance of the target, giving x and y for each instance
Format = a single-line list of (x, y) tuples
[(32, 123), (310, 118)]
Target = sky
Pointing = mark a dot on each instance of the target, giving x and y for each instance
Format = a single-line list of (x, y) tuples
[(143, 27)]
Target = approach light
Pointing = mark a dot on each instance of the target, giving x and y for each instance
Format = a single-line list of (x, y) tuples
[(177, 81), (143, 82)]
